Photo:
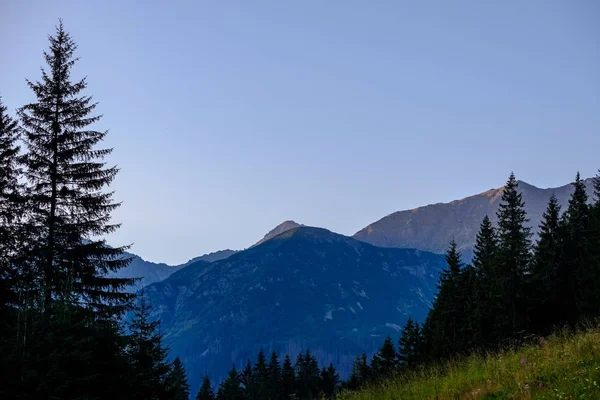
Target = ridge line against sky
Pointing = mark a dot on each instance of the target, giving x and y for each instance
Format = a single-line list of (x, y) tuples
[(228, 118), (350, 234)]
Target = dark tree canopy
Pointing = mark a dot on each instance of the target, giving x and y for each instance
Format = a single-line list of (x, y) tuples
[(385, 361), (206, 391), (177, 383), (514, 246), (67, 180)]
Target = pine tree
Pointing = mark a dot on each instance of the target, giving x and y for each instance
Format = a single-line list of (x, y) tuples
[(543, 276), (453, 260), (177, 382), (443, 322), (384, 361), (486, 247), (259, 384), (576, 273), (66, 175), (288, 378), (147, 356), (246, 377), (11, 244), (274, 385), (513, 258), (361, 372), (206, 391), (308, 375), (230, 388), (487, 292), (469, 330), (593, 273), (452, 299), (330, 382), (10, 199), (69, 342), (409, 345)]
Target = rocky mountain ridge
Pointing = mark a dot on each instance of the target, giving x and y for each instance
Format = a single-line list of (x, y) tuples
[(432, 227)]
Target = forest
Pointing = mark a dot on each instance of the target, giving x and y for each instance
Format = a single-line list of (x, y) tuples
[(63, 333)]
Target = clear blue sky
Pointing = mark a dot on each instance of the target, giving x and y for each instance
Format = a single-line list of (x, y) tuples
[(228, 117)]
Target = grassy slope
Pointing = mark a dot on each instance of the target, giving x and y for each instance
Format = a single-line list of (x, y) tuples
[(560, 367)]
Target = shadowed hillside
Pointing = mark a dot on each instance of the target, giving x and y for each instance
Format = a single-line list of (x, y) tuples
[(306, 288)]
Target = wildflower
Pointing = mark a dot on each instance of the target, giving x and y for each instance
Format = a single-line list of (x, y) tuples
[(523, 361)]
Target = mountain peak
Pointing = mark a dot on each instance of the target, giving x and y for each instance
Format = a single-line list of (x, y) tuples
[(278, 230), (432, 227)]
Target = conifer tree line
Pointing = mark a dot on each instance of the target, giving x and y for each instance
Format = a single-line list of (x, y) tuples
[(275, 380), (513, 288), (60, 330)]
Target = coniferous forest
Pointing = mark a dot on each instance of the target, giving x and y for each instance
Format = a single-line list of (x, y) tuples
[(64, 334), (515, 289)]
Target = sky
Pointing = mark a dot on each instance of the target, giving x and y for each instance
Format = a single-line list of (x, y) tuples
[(229, 117)]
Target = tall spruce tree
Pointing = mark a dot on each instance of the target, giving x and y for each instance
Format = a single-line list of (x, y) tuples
[(361, 372), (513, 257), (274, 385), (147, 355), (246, 377), (206, 391), (443, 321), (10, 210), (576, 274), (230, 388), (67, 177), (385, 361), (594, 235), (451, 297), (259, 384), (487, 287), (18, 275), (288, 378), (177, 383), (543, 276), (330, 382), (10, 172), (409, 345), (308, 375), (469, 306), (69, 343)]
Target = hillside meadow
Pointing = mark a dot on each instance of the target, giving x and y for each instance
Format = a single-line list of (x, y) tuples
[(562, 366)]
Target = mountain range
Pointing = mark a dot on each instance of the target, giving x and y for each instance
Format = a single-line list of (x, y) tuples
[(429, 228), (304, 288), (150, 272)]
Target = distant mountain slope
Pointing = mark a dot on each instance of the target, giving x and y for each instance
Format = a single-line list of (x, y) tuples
[(155, 272), (432, 227), (305, 288), (279, 229), (149, 272), (212, 257)]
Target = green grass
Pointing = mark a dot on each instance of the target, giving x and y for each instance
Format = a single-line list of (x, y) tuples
[(563, 366)]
